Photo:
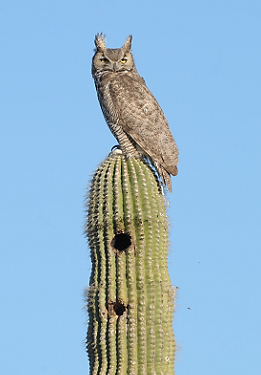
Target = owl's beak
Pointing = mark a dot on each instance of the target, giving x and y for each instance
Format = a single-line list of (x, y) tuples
[(114, 67)]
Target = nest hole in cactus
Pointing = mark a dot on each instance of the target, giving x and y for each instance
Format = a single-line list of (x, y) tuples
[(119, 308), (121, 241), (116, 308)]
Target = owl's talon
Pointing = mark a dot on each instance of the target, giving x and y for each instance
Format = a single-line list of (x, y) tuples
[(118, 147)]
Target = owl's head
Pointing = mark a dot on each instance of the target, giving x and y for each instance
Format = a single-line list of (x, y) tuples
[(112, 59)]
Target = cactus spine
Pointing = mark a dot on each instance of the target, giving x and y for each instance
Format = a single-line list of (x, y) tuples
[(130, 299)]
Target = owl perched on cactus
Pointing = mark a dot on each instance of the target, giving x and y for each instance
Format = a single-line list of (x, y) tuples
[(131, 111)]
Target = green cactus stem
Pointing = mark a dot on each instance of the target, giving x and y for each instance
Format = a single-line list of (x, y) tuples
[(130, 298)]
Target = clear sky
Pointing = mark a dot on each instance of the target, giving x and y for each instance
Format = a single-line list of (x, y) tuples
[(201, 60)]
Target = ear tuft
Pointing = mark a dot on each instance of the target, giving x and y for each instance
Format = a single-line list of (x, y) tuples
[(127, 44), (99, 41)]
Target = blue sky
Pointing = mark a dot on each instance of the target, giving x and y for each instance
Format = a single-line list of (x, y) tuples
[(201, 60)]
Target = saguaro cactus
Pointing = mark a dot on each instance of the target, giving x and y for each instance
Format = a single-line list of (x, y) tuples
[(130, 298)]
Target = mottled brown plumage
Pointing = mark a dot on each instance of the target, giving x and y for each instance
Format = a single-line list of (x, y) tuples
[(131, 111)]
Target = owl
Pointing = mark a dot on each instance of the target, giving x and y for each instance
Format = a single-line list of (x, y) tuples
[(131, 111)]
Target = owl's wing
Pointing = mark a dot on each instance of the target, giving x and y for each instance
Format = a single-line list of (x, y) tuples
[(143, 120)]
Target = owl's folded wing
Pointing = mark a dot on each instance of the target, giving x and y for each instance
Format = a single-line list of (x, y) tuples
[(143, 120)]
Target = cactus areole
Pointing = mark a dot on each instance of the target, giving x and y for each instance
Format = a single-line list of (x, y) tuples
[(130, 298)]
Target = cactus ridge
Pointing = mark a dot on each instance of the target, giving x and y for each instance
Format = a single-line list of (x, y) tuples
[(130, 300)]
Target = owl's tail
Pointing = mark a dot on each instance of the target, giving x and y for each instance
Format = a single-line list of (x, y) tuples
[(165, 175)]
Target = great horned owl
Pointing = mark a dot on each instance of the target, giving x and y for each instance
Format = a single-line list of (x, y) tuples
[(131, 111)]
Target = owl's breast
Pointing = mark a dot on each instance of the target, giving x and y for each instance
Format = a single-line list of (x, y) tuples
[(122, 94)]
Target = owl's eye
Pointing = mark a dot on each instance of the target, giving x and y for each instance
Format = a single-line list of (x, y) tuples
[(103, 60), (123, 61)]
